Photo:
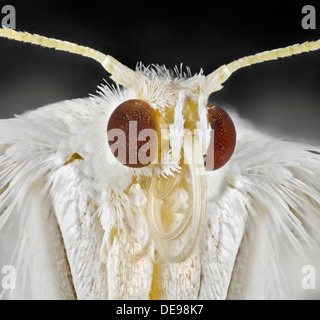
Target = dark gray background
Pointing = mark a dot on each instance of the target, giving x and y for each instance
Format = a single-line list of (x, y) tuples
[(281, 96)]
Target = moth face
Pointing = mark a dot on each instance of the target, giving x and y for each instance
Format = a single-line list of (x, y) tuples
[(151, 128)]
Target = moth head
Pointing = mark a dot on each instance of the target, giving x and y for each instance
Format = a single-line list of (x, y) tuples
[(165, 107)]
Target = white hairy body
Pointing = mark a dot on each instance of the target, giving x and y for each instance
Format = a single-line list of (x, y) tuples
[(75, 227)]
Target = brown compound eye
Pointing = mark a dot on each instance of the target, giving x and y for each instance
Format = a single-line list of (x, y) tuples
[(134, 126), (223, 138)]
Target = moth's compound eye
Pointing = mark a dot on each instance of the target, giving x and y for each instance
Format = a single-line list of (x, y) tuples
[(133, 133), (223, 138)]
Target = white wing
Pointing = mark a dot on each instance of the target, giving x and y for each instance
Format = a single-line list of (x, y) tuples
[(30, 237), (43, 194), (264, 215)]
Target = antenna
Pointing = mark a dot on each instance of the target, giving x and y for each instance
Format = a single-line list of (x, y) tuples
[(219, 76), (119, 72)]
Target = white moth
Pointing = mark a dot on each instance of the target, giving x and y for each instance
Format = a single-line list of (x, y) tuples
[(75, 224)]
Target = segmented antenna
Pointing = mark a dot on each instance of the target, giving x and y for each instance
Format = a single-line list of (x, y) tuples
[(219, 76), (119, 73)]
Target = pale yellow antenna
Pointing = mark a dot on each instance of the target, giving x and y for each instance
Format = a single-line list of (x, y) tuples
[(119, 73), (215, 79)]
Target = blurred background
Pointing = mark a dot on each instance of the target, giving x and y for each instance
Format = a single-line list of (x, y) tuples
[(281, 96)]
